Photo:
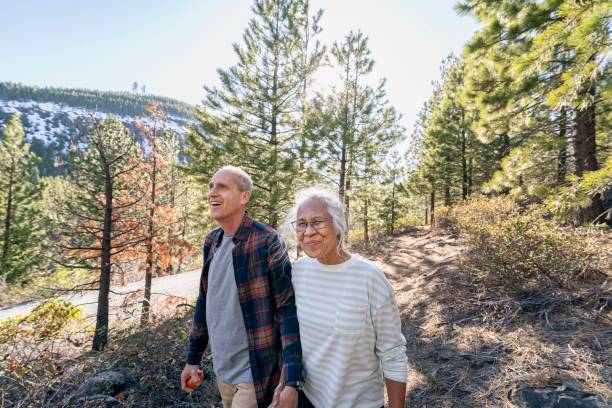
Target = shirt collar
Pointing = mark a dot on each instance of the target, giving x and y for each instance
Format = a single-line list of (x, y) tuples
[(244, 230)]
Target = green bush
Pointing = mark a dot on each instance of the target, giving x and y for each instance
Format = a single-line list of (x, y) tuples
[(47, 320)]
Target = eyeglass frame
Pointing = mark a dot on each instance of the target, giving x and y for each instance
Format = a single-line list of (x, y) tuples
[(310, 224)]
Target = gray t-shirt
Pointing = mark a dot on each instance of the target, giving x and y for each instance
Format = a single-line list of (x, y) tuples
[(226, 331)]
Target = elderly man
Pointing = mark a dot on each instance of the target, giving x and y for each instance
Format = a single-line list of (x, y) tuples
[(246, 307)]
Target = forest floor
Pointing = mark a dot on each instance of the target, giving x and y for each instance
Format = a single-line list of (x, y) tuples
[(469, 345)]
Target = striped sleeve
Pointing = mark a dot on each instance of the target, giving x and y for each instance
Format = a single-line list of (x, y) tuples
[(390, 342)]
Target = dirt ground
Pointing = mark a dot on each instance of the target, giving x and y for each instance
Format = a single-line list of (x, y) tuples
[(470, 345)]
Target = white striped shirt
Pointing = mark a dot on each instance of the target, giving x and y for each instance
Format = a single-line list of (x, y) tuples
[(350, 332)]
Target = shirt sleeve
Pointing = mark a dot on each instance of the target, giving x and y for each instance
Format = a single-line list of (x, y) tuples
[(390, 342), (284, 299), (198, 335)]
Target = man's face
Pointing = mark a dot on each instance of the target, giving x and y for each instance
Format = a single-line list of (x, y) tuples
[(224, 198)]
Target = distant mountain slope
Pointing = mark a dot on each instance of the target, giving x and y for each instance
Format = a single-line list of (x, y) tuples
[(118, 103), (52, 117)]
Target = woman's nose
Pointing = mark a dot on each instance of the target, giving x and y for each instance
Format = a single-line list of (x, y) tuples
[(310, 229)]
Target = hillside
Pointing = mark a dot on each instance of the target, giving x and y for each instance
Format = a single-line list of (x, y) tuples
[(52, 117)]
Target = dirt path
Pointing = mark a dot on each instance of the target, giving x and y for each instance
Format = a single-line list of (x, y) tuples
[(469, 346)]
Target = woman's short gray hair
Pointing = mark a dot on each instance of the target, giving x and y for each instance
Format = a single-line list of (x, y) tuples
[(334, 207)]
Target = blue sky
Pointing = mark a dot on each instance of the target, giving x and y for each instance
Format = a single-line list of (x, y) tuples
[(175, 47)]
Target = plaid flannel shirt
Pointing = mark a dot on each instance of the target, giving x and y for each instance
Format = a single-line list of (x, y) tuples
[(263, 278)]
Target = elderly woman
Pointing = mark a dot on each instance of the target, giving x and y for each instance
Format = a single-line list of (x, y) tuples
[(349, 323)]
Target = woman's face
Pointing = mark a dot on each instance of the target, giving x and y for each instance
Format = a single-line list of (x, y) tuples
[(316, 232)]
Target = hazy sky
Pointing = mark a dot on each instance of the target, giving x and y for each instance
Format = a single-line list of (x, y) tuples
[(175, 46)]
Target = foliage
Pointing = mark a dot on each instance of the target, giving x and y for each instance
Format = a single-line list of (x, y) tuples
[(253, 120), (20, 206), (565, 202), (47, 320), (517, 247), (31, 343), (352, 130)]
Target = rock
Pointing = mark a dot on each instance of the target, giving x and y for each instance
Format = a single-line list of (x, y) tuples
[(487, 371), (446, 354), (106, 382), (100, 389), (97, 400), (478, 360), (564, 396)]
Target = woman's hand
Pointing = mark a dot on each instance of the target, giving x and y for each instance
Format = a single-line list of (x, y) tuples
[(285, 397)]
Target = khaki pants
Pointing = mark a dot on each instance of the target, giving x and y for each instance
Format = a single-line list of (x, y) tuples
[(237, 395)]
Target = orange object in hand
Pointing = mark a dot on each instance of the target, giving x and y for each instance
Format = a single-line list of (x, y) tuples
[(190, 384)]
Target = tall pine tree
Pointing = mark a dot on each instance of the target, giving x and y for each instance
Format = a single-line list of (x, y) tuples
[(20, 206), (253, 119)]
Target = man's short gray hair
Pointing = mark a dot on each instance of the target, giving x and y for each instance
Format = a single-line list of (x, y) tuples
[(242, 178), (334, 207)]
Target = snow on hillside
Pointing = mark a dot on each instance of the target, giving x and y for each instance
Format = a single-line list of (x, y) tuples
[(47, 121)]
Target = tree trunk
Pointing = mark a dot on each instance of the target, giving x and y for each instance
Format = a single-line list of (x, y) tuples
[(274, 190), (585, 148), (464, 169), (562, 155), (504, 148), (393, 207), (345, 136), (7, 225), (470, 176), (146, 302), (342, 172), (432, 205), (366, 232), (347, 197), (447, 195), (585, 153), (101, 334)]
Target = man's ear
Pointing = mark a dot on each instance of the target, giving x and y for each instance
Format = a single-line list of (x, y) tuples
[(246, 196)]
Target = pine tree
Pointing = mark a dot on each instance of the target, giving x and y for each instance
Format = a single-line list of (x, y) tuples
[(550, 58), (98, 225), (20, 206), (349, 124), (252, 120), (162, 240)]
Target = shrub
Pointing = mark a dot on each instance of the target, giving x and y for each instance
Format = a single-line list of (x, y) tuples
[(47, 320), (516, 247), (355, 235), (405, 223)]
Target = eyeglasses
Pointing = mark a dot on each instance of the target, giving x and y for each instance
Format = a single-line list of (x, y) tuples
[(317, 224)]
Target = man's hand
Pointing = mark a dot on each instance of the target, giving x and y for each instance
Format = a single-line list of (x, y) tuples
[(190, 371), (285, 397)]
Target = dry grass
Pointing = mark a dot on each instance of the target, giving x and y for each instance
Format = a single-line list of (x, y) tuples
[(473, 345), (470, 344), (153, 356)]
